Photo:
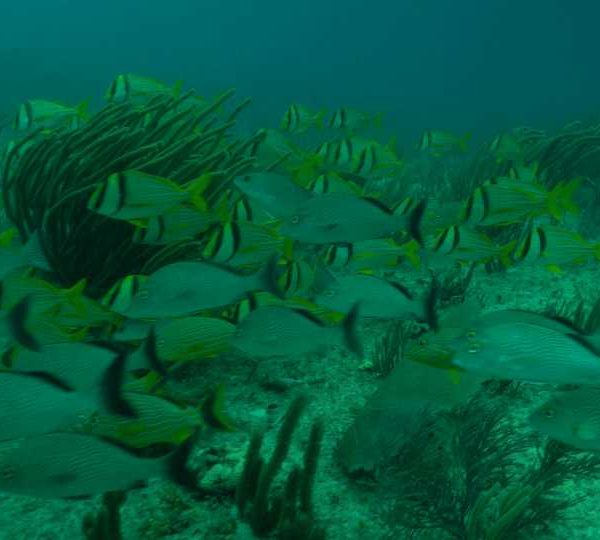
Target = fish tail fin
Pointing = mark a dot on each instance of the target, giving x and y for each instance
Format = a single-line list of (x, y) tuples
[(320, 119), (411, 250), (196, 189), (82, 109), (268, 278), (596, 250), (505, 253), (112, 388), (17, 323), (561, 198), (150, 349), (349, 328), (213, 410), (34, 253), (415, 219), (430, 305), (463, 142), (74, 295), (176, 466)]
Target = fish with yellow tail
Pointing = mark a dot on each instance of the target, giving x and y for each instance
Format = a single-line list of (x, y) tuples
[(461, 243), (129, 86), (135, 194), (505, 200), (298, 119), (555, 247), (39, 112), (158, 420)]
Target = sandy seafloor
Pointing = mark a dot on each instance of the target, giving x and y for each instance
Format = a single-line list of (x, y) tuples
[(337, 386)]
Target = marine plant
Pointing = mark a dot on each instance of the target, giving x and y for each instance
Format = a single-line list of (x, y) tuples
[(389, 348), (476, 486), (48, 176), (105, 524), (289, 512)]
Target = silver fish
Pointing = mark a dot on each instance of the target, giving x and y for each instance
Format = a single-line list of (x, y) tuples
[(282, 331), (332, 218), (36, 403), (277, 194), (520, 345), (377, 297), (69, 465), (184, 288)]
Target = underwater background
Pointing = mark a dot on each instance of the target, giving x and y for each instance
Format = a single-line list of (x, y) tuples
[(299, 270)]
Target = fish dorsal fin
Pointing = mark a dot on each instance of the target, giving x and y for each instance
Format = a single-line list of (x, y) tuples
[(588, 344), (376, 202), (308, 316), (45, 377), (401, 289)]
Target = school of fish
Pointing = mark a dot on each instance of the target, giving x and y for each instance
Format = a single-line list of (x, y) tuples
[(291, 257)]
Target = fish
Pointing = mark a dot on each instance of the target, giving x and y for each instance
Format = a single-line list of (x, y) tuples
[(74, 465), (298, 276), (68, 307), (333, 183), (128, 86), (353, 120), (39, 112), (506, 147), (185, 288), (82, 366), (298, 119), (333, 218), (277, 194), (360, 156), (526, 346), (242, 244), (174, 225), (158, 420), (378, 298), (186, 339), (14, 255), (31, 316), (135, 194), (370, 256), (273, 331), (119, 297), (464, 244), (571, 417), (505, 200), (555, 247), (32, 403), (439, 142), (274, 152)]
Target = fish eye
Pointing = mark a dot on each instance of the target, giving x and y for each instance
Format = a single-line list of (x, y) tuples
[(549, 413), (330, 293), (422, 341), (471, 334), (295, 220)]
